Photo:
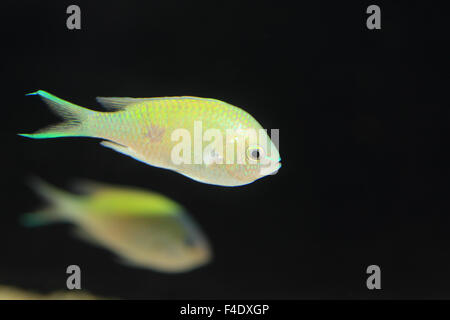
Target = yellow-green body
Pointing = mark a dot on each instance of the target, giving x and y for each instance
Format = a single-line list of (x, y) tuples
[(146, 128), (144, 228)]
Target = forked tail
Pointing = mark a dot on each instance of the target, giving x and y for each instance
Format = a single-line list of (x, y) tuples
[(75, 118), (59, 204)]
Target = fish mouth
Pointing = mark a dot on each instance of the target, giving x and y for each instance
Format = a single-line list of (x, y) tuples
[(271, 169)]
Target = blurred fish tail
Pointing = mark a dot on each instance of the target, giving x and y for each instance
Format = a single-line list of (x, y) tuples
[(75, 119), (40, 218), (61, 204), (50, 193)]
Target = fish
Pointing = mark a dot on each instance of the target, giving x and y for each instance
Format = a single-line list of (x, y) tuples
[(169, 133), (14, 293), (143, 228)]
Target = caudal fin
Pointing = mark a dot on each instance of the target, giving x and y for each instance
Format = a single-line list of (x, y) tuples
[(75, 118), (40, 218), (58, 208), (48, 192)]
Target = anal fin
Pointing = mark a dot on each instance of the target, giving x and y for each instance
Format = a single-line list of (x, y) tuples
[(123, 149)]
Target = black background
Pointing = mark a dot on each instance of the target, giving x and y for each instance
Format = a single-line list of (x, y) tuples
[(363, 118)]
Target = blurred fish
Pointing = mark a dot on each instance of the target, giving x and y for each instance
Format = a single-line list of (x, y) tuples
[(13, 293), (144, 228), (143, 127)]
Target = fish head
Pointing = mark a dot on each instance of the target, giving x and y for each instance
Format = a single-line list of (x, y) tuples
[(176, 244), (255, 156)]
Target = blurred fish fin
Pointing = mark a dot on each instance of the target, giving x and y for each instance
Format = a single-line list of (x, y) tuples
[(127, 263), (48, 192), (88, 186), (83, 235), (89, 238), (74, 117), (40, 218), (116, 104), (123, 149), (42, 188), (66, 205)]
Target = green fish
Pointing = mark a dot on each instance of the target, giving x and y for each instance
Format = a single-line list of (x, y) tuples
[(144, 228), (169, 133)]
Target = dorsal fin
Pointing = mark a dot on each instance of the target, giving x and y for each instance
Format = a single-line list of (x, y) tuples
[(119, 103), (115, 104), (86, 186)]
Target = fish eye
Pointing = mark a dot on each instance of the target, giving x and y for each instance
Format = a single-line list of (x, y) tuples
[(255, 153)]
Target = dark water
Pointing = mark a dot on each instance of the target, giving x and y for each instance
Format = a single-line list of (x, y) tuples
[(363, 118)]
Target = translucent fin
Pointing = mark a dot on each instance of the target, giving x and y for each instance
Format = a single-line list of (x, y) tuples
[(40, 218), (86, 186), (60, 203), (74, 117), (83, 235), (119, 103), (46, 191), (123, 149), (115, 104), (128, 263)]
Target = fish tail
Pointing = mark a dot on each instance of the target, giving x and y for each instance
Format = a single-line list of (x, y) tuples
[(40, 218), (48, 192), (75, 118), (60, 204)]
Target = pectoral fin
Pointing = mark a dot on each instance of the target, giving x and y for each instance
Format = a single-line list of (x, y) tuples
[(123, 149)]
